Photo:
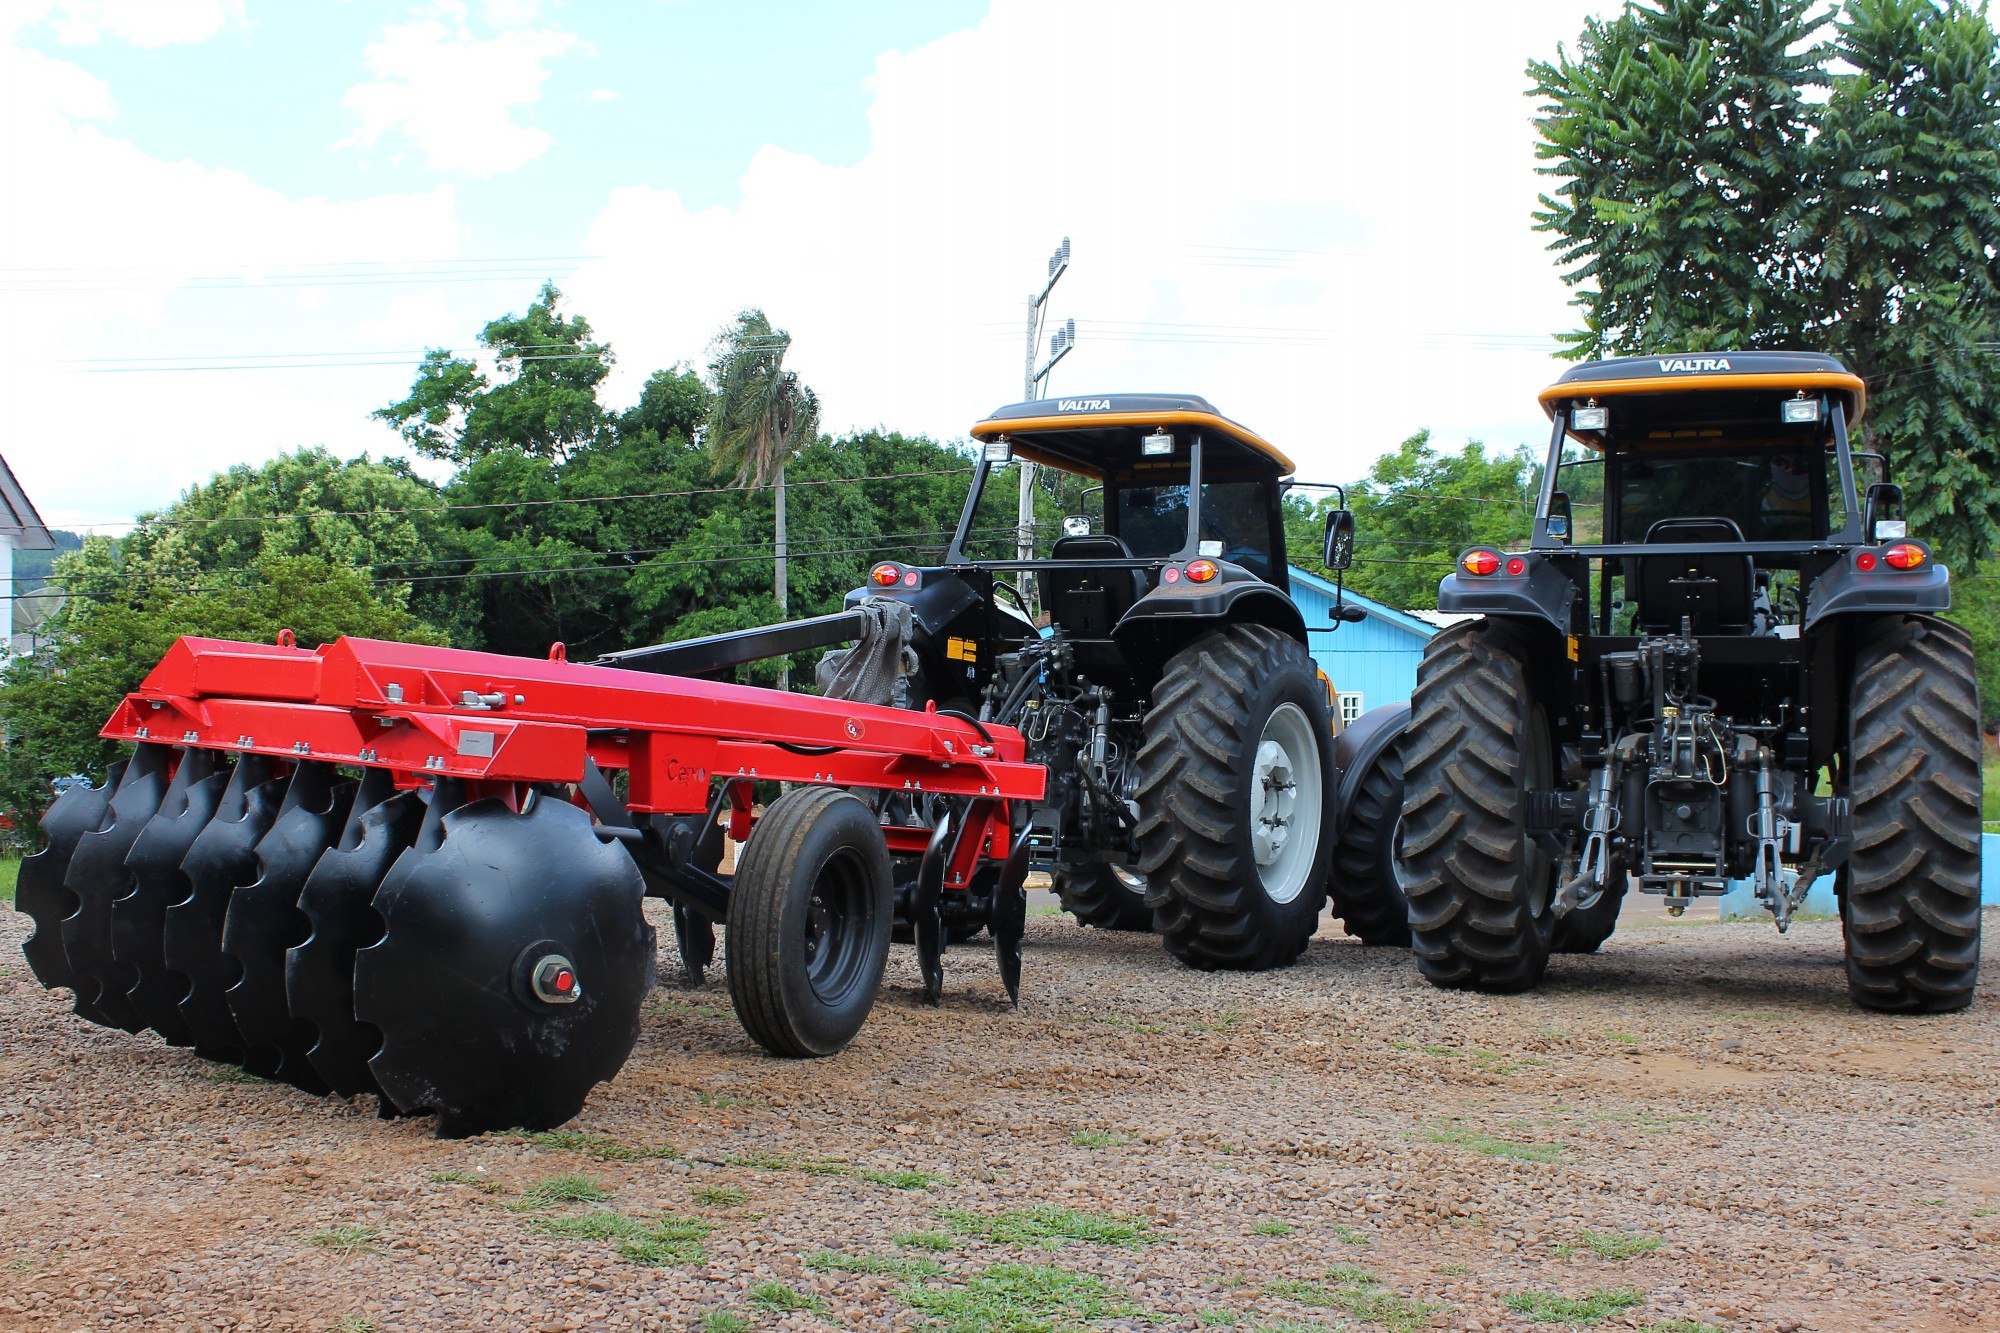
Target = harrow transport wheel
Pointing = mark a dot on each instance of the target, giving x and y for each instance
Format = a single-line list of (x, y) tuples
[(1911, 909), (1479, 887), (1365, 893), (40, 893), (138, 920), (263, 921), (512, 966), (1585, 930), (338, 901), (808, 928), (1105, 896), (222, 858), (1235, 781), (97, 878)]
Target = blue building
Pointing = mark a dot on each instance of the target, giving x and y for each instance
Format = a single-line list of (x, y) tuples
[(1373, 661)]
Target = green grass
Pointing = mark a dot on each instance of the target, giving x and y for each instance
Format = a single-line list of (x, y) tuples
[(1618, 1244), (1099, 1138), (1359, 1293), (217, 1072), (343, 1240), (903, 1180), (726, 1101), (1457, 1136), (10, 874), (1347, 1235), (781, 1299), (722, 1321), (829, 1261), (1272, 1227), (934, 1241), (354, 1323), (1546, 1307), (567, 1188), (472, 1178), (653, 1241), (804, 1162), (719, 1196), (1989, 799), (1216, 1319), (1018, 1298), (1684, 1326), (1049, 1226), (1454, 1270), (601, 1146), (1222, 1022)]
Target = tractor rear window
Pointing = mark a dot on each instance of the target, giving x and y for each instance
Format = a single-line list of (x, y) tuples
[(1770, 496), (1153, 521)]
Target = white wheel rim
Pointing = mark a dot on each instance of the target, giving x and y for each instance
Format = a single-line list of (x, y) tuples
[(1129, 880), (1285, 803)]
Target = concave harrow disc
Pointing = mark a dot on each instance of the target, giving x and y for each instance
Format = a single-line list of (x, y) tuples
[(450, 984), (222, 858), (338, 899), (138, 920), (97, 878), (40, 893), (263, 921)]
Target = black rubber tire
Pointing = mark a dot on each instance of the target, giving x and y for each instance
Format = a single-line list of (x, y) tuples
[(1911, 909), (1364, 891), (1096, 896), (1479, 887), (1586, 930), (1195, 773), (803, 986)]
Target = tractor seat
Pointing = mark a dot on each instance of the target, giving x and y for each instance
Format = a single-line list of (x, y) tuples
[(1086, 603), (1714, 591)]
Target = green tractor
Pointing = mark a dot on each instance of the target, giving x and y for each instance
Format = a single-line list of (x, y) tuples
[(1718, 662)]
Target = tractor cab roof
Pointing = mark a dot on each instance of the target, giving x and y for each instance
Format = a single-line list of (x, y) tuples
[(1101, 435), (1684, 397)]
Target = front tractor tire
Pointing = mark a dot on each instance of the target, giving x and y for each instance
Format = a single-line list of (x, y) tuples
[(1479, 888), (1105, 896), (1235, 780), (1911, 903)]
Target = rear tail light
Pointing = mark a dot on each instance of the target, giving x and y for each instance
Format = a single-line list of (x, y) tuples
[(1905, 555), (1516, 565), (1201, 571), (885, 576), (1480, 562), (1864, 561)]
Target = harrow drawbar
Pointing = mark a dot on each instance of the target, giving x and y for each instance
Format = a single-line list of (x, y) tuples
[(413, 872)]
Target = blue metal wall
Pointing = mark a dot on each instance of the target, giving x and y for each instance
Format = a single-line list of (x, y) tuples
[(1376, 657)]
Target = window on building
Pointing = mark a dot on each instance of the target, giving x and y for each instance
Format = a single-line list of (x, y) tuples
[(1350, 706)]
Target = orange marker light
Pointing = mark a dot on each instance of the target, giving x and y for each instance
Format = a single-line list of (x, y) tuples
[(883, 576), (1202, 571), (1481, 563), (1904, 555)]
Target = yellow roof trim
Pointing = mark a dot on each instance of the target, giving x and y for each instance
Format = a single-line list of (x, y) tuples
[(1811, 379), (987, 430)]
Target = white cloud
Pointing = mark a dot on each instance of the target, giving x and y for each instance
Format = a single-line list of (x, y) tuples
[(145, 23), (603, 95), (1316, 214), (453, 95)]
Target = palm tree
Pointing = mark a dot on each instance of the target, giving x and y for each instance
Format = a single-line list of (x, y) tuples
[(759, 417)]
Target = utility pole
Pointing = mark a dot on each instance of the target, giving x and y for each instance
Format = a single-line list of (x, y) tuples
[(1033, 381)]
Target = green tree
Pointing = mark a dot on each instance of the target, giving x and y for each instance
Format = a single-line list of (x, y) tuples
[(544, 404), (760, 415), (1764, 173)]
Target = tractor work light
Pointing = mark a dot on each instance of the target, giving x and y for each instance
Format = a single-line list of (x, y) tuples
[(1480, 562), (1800, 411), (1592, 417), (884, 576), (1905, 555), (1158, 443), (1202, 571), (998, 451)]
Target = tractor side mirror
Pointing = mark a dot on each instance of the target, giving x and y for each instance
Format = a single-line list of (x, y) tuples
[(1337, 547), (1884, 515), (1557, 524)]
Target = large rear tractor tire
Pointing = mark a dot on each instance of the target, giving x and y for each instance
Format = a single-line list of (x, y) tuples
[(1478, 742), (1105, 896), (808, 929), (1235, 790), (1911, 906), (1366, 895)]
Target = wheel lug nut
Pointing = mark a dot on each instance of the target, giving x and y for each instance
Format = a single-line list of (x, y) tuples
[(554, 980)]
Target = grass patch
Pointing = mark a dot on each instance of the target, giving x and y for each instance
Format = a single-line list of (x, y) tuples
[(1216, 1318), (1124, 1024), (1454, 1270), (1272, 1227), (472, 1178), (1989, 796), (829, 1261), (601, 1146), (1048, 1226), (722, 1321), (342, 1240), (10, 874), (934, 1241), (1099, 1138), (1547, 1307), (726, 1101), (1018, 1298), (354, 1323), (1457, 1136), (781, 1299), (567, 1188), (1347, 1235), (1618, 1244), (217, 1072), (1222, 1022), (1622, 1038), (903, 1180), (653, 1241), (807, 1163), (1685, 1326), (1358, 1292), (720, 1196)]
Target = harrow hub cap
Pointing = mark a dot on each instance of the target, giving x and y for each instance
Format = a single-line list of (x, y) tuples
[(554, 980), (1285, 803)]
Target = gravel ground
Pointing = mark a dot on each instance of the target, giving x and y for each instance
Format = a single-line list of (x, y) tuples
[(1691, 1129)]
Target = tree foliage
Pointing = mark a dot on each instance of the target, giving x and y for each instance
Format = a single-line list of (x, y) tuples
[(1762, 173)]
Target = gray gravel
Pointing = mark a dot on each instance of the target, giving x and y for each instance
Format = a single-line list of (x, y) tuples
[(1699, 1102)]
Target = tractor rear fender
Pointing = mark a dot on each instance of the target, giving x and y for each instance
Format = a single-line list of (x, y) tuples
[(1167, 620), (940, 601), (1846, 590), (1357, 748), (1542, 593)]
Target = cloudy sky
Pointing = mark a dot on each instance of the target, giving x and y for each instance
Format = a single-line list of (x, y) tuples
[(230, 226)]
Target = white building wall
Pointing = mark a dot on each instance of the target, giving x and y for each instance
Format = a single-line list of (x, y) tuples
[(6, 591)]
